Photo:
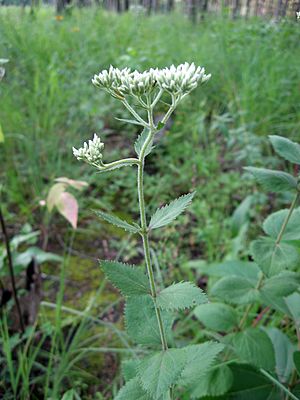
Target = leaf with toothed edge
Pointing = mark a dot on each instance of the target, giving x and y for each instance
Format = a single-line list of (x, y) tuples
[(171, 211), (200, 357), (180, 296), (141, 321), (133, 390), (286, 148), (273, 181), (158, 372), (127, 278), (120, 223)]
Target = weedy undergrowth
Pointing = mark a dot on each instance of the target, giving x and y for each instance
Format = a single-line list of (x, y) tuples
[(149, 312)]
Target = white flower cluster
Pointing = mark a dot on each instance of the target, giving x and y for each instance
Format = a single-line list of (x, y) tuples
[(175, 80), (91, 152)]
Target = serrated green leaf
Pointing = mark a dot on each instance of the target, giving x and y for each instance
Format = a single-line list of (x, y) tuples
[(273, 181), (168, 213), (141, 320), (114, 220), (272, 225), (127, 278), (160, 371), (273, 258), (250, 384), (296, 358), (236, 290), (69, 395), (254, 346), (217, 316), (286, 148), (133, 391), (200, 358), (283, 353), (215, 382), (181, 295), (129, 369), (292, 303), (138, 145)]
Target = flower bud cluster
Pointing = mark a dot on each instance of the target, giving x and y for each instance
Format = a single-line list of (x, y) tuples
[(181, 79), (175, 80), (91, 152)]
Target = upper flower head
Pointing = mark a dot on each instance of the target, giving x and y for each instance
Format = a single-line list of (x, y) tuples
[(91, 152), (181, 79)]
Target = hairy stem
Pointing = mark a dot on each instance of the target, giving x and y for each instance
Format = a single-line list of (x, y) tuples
[(11, 271), (278, 384), (144, 234)]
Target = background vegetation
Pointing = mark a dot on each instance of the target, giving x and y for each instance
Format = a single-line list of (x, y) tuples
[(48, 105)]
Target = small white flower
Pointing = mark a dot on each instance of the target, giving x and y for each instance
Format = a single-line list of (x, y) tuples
[(91, 152), (138, 83), (181, 79)]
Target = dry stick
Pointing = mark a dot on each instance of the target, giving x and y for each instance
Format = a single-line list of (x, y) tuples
[(11, 271)]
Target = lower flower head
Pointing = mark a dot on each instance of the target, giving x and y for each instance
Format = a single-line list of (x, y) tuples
[(91, 152)]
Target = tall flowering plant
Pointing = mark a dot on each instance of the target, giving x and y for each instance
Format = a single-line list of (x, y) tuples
[(149, 311)]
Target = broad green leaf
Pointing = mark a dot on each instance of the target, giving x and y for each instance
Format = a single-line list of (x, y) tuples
[(273, 181), (129, 369), (141, 320), (281, 285), (1, 135), (272, 225), (274, 258), (114, 220), (296, 358), (160, 371), (215, 382), (240, 215), (217, 316), (200, 357), (236, 290), (181, 295), (243, 269), (250, 384), (168, 213), (292, 303), (133, 391), (23, 259), (254, 346), (138, 145), (28, 238), (283, 353), (286, 148), (127, 278)]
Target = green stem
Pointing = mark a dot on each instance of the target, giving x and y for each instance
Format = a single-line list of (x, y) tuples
[(278, 240), (278, 384), (144, 234)]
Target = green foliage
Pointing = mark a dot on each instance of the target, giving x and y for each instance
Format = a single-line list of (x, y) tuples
[(272, 225), (133, 390), (272, 257), (127, 278), (180, 295), (273, 181), (236, 290), (255, 347), (140, 142), (286, 148), (160, 371), (297, 361), (114, 220), (141, 320), (217, 316), (165, 215), (215, 382)]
